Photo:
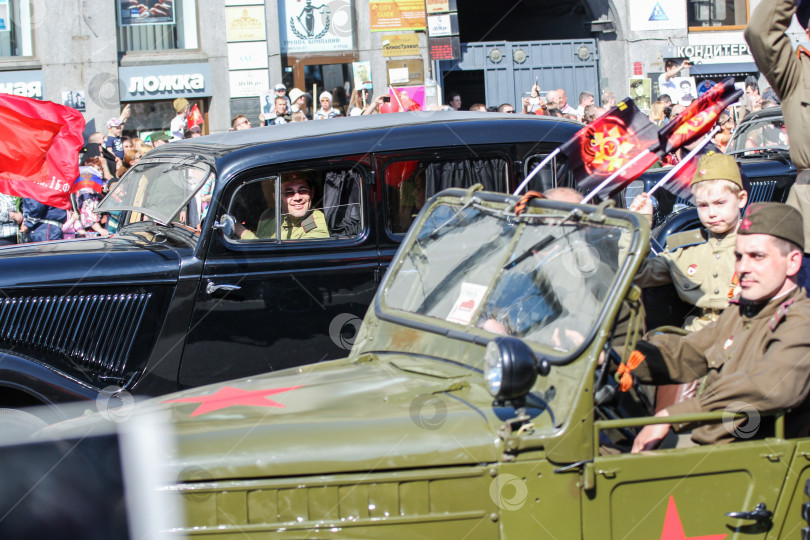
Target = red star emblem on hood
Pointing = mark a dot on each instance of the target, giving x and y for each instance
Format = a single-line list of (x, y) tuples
[(228, 396), (745, 225), (673, 529)]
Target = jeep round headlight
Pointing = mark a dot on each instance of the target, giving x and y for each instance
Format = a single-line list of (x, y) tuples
[(510, 368), (492, 368)]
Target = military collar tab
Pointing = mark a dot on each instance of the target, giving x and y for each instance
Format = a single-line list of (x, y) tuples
[(802, 50)]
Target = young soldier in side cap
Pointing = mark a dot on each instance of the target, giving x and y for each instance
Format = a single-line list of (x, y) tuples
[(789, 75), (757, 351), (701, 267)]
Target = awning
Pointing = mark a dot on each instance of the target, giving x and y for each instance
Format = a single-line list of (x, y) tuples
[(723, 70)]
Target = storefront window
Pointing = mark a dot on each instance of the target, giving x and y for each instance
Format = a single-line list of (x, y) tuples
[(153, 25), (15, 28), (711, 13), (149, 116)]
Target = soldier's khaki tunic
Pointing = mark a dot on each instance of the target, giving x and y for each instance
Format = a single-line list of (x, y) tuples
[(759, 356), (311, 226), (700, 268), (788, 71)]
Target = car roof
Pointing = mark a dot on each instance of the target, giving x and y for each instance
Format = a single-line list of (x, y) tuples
[(762, 114), (364, 134)]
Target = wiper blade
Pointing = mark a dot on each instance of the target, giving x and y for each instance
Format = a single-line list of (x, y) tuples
[(544, 242), (759, 150)]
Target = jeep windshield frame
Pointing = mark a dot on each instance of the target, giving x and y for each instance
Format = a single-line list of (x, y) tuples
[(158, 188), (453, 274)]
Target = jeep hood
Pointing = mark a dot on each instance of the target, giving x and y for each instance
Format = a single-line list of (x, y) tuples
[(333, 417), (116, 259)]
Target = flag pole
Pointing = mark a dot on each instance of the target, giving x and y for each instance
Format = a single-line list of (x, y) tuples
[(396, 96), (536, 170), (613, 176), (681, 164)]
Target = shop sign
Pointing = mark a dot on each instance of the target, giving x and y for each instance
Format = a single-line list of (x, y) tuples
[(400, 45), (397, 15), (245, 23), (326, 27), (405, 72), (165, 81), (442, 25), (249, 83), (440, 6), (444, 48), (250, 55), (23, 83), (698, 53), (647, 15)]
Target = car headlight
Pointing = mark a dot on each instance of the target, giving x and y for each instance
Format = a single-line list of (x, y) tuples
[(510, 368)]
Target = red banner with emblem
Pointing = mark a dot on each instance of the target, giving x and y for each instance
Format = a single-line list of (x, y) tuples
[(49, 177), (699, 117), (195, 117), (609, 143)]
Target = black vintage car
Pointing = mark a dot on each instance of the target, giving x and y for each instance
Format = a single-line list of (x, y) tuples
[(175, 299)]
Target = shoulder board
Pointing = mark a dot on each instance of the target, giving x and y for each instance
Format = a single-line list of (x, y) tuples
[(308, 223), (779, 316), (685, 239)]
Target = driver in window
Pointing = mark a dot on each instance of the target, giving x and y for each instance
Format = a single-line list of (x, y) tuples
[(299, 222)]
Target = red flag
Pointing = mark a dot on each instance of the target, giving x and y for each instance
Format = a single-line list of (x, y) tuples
[(24, 155), (195, 117), (51, 183), (608, 143), (699, 117), (680, 185)]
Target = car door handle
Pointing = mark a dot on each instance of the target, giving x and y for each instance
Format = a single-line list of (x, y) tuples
[(759, 513), (213, 288)]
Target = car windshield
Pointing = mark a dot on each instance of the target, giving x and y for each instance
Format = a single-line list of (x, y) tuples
[(536, 277), (758, 136), (158, 189)]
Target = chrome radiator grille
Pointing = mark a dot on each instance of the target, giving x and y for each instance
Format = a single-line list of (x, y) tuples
[(93, 331)]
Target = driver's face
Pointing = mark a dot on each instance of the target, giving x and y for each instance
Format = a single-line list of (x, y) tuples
[(296, 198)]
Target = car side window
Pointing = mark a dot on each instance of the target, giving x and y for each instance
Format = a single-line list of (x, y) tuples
[(545, 179), (298, 205), (408, 183)]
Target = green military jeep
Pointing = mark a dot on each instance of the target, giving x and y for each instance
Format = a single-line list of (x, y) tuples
[(473, 405)]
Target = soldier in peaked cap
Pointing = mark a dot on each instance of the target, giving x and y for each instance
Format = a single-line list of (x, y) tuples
[(758, 351)]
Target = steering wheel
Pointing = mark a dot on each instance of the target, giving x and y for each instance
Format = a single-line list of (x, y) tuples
[(611, 403)]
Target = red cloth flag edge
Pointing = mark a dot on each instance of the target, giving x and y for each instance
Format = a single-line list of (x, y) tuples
[(195, 117), (604, 146), (24, 155), (699, 117), (52, 183)]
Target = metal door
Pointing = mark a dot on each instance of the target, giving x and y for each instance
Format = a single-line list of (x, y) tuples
[(510, 68)]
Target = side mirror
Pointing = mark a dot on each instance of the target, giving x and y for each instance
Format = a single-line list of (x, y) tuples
[(226, 224), (511, 368)]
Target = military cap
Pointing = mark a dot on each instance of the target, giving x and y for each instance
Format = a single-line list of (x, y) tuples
[(774, 219), (179, 104), (714, 166), (160, 136)]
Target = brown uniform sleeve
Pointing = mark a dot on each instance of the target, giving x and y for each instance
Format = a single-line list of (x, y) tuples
[(671, 358), (780, 380), (654, 272), (771, 47)]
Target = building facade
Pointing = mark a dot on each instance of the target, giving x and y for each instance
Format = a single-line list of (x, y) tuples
[(226, 56)]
